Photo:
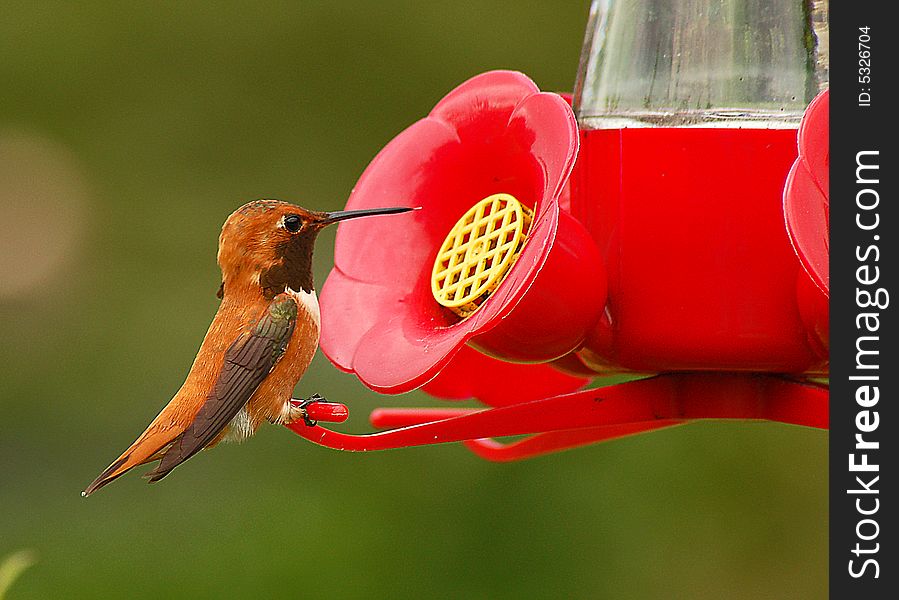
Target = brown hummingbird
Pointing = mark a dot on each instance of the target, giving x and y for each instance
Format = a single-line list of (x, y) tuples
[(258, 346)]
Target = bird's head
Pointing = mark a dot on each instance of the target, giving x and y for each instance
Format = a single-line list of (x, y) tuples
[(269, 244)]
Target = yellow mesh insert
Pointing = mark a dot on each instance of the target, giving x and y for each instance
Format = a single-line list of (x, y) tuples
[(477, 253)]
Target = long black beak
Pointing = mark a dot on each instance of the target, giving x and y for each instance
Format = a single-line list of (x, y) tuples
[(343, 215)]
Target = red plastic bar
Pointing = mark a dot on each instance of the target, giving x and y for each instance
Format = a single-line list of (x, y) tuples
[(328, 412), (385, 418), (592, 415), (535, 445), (555, 441)]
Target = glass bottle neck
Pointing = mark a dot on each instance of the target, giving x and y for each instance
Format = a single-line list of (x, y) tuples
[(701, 63)]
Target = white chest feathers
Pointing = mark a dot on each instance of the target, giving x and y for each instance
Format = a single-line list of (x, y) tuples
[(308, 302)]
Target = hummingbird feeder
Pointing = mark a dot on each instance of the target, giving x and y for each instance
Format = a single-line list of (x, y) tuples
[(672, 227)]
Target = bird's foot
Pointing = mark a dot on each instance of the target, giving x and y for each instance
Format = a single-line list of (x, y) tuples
[(298, 409)]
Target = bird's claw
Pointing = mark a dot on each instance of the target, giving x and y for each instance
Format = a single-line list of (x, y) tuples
[(304, 404)]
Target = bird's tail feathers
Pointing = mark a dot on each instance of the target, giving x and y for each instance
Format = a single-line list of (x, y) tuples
[(149, 447)]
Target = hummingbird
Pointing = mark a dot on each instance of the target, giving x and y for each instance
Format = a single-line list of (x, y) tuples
[(260, 342)]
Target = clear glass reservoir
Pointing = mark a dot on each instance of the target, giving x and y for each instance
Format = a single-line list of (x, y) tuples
[(707, 63)]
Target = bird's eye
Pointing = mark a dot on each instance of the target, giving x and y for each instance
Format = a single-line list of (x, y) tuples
[(292, 223)]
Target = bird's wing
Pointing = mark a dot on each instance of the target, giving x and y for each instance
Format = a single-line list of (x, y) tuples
[(248, 361)]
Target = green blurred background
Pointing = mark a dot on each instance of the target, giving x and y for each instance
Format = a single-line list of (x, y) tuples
[(127, 134)]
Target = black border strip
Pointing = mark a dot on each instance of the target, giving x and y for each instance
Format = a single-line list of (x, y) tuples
[(864, 562)]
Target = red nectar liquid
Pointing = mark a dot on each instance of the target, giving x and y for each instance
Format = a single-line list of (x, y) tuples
[(690, 224)]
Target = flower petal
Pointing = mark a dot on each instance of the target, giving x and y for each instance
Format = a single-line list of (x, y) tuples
[(550, 123), (807, 195), (351, 308), (378, 249), (814, 139), (484, 98), (494, 133), (392, 358), (471, 374)]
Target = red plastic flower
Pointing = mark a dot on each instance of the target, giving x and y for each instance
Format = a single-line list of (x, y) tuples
[(807, 193), (496, 133)]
